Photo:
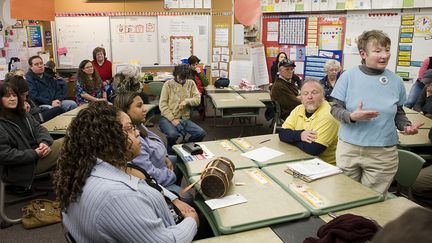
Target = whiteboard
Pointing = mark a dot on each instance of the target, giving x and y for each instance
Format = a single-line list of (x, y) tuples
[(357, 22), (80, 35), (184, 26), (134, 39)]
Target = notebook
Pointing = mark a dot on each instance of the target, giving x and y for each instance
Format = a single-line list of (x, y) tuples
[(313, 169)]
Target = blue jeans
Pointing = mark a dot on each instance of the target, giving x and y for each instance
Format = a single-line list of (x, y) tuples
[(68, 105), (414, 93), (185, 127)]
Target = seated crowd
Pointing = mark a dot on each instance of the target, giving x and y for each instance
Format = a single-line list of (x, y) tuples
[(123, 168)]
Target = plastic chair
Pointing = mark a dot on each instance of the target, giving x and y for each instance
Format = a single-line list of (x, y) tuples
[(69, 238), (5, 220), (410, 165), (277, 120), (155, 88)]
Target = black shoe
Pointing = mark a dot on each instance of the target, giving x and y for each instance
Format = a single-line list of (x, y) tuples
[(19, 191)]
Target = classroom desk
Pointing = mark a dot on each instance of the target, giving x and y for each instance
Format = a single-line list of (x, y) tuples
[(419, 118), (382, 212), (58, 124), (212, 89), (261, 95), (420, 139), (252, 236), (267, 204), (75, 111), (233, 105), (291, 153), (409, 111), (336, 192), (197, 166)]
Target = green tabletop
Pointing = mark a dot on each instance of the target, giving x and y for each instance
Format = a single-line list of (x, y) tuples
[(252, 236), (216, 147), (382, 212), (420, 139), (233, 100), (419, 118), (334, 192), (291, 153), (267, 204)]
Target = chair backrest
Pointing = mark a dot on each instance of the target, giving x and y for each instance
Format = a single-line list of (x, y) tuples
[(278, 121), (410, 165), (69, 238), (155, 88)]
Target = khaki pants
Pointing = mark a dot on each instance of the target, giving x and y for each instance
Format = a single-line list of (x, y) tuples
[(374, 167), (46, 163)]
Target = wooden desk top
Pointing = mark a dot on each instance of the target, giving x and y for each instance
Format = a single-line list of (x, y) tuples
[(267, 204), (291, 153), (75, 111), (233, 100), (419, 118), (58, 124), (382, 212), (420, 139), (197, 166), (335, 192), (253, 236), (409, 111), (263, 96)]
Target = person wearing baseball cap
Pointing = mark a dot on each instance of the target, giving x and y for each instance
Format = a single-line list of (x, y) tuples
[(285, 90), (424, 101)]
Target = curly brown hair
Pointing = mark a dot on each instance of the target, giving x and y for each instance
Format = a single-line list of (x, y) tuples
[(96, 132), (90, 85)]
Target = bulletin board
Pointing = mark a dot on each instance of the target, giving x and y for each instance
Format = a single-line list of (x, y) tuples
[(414, 43), (77, 37), (195, 26), (134, 39), (322, 39)]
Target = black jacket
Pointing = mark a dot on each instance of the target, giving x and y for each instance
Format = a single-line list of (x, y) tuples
[(17, 158)]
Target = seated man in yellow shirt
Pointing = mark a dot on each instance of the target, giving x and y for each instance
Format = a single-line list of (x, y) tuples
[(310, 126)]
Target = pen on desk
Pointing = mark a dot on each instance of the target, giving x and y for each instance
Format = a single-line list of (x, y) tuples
[(264, 141)]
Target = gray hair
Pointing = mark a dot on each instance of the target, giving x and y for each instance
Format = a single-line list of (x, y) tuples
[(313, 80), (331, 63)]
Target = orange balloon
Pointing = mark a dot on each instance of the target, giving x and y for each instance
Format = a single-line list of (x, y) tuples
[(247, 12)]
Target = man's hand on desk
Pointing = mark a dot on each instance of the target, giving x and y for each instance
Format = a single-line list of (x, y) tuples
[(308, 136)]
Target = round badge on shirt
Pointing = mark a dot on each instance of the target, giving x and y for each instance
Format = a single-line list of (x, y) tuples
[(383, 80)]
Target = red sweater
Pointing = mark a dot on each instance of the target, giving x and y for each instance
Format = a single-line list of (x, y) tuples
[(105, 71)]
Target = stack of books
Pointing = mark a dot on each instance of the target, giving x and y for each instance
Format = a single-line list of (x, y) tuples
[(310, 170)]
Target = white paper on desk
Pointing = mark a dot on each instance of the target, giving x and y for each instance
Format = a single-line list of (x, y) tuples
[(262, 154), (225, 201)]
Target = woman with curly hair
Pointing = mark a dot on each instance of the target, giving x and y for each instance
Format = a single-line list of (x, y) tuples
[(128, 80), (26, 148), (101, 201), (89, 86)]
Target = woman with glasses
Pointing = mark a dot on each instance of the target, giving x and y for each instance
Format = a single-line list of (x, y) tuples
[(89, 86), (332, 69), (153, 155), (102, 201)]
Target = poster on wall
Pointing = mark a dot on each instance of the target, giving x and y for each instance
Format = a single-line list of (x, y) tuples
[(292, 31), (34, 36), (331, 33), (181, 47)]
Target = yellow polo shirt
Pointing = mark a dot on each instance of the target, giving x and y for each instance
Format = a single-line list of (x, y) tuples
[(322, 122)]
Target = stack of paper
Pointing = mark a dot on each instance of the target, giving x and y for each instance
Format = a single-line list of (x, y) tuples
[(311, 170)]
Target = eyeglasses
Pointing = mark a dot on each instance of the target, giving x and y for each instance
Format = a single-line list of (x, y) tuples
[(88, 67), (130, 128)]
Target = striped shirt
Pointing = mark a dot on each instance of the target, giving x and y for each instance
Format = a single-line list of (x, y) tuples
[(117, 207)]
